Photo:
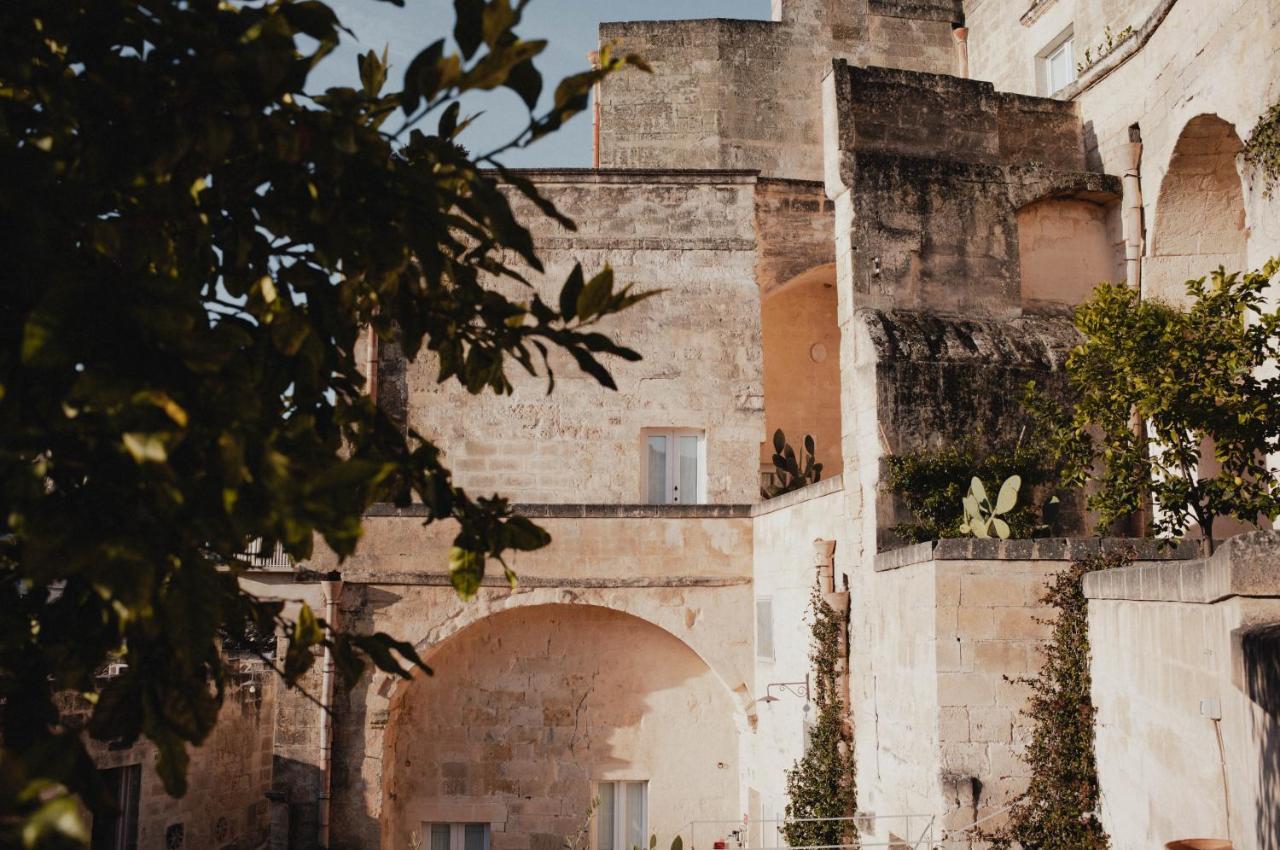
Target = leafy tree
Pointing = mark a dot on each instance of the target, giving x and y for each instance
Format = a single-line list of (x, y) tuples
[(194, 241), (822, 791), (1196, 378)]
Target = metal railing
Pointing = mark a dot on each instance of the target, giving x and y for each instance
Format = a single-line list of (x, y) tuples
[(900, 832)]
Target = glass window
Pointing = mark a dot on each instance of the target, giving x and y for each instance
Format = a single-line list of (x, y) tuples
[(657, 469), (118, 830), (1058, 64), (622, 818), (764, 628), (459, 836), (674, 467)]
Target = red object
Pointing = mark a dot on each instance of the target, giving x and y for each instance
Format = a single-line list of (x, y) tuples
[(721, 845)]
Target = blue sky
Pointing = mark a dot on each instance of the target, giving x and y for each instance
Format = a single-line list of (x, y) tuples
[(569, 26)]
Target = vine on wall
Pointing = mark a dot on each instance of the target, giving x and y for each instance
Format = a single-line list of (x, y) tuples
[(1059, 809), (1262, 148), (822, 784)]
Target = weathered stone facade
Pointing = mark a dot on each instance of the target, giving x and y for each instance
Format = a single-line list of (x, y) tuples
[(857, 243)]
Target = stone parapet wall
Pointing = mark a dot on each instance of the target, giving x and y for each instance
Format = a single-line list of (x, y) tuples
[(1186, 730), (950, 626)]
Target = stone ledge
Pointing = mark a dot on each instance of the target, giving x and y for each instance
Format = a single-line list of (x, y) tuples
[(822, 488), (408, 578), (587, 511), (679, 176), (1038, 549), (1245, 565), (945, 11)]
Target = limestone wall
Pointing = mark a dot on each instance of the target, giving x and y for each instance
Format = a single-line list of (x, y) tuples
[(692, 235), (784, 533), (1169, 655), (684, 571), (1189, 59), (948, 625), (747, 94), (228, 778), (530, 708)]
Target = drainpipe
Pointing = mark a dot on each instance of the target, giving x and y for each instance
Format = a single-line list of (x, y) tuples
[(1131, 224), (1131, 157), (331, 590), (961, 34), (595, 112)]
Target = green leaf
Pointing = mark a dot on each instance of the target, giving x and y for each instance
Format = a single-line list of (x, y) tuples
[(1008, 496), (466, 569), (56, 820), (145, 448), (1001, 527), (979, 492)]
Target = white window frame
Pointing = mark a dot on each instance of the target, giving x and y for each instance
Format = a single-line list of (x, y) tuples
[(620, 814), (672, 495), (773, 649), (458, 833), (1065, 42)]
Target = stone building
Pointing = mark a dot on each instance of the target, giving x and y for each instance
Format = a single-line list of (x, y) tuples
[(871, 218)]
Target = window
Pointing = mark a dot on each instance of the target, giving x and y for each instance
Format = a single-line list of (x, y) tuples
[(622, 819), (675, 463), (459, 836), (764, 628), (1058, 64), (118, 830)]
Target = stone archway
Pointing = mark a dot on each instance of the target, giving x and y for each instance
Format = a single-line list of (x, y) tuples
[(532, 706), (1199, 220), (801, 346)]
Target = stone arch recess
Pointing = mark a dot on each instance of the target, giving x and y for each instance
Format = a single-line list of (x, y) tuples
[(800, 328), (534, 702), (1199, 218)]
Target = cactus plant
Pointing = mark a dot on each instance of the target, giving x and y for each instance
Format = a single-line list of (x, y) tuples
[(980, 516), (792, 473)]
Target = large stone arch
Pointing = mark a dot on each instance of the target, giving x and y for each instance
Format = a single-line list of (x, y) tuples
[(533, 704), (801, 343), (1199, 218)]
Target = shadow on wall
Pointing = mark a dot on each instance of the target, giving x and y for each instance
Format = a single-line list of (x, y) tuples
[(529, 707), (1260, 653)]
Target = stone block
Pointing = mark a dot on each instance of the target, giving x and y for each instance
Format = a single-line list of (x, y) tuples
[(966, 689)]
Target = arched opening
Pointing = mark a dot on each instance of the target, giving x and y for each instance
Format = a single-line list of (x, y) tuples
[(1064, 251), (530, 709), (801, 337), (1199, 215)]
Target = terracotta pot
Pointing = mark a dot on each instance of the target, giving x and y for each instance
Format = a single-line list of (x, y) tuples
[(1199, 844)]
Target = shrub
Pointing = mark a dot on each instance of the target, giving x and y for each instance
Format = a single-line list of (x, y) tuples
[(1058, 810), (933, 484)]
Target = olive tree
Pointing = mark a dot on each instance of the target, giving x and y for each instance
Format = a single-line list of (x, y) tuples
[(194, 241)]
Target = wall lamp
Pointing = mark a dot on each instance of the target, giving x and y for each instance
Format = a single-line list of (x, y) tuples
[(796, 689)]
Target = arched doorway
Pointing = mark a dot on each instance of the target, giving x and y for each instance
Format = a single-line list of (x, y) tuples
[(801, 341), (1199, 220), (535, 711)]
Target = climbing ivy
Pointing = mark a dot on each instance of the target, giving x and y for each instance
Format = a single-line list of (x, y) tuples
[(1262, 149), (1059, 809), (822, 784)]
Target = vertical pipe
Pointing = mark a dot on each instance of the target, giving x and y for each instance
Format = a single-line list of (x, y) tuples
[(961, 34), (1131, 158), (331, 590), (595, 112), (1132, 225)]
